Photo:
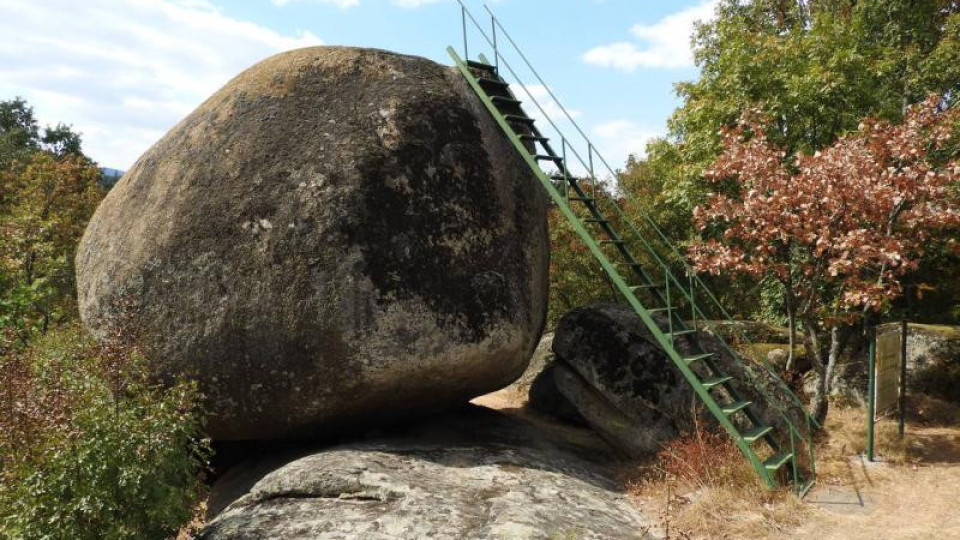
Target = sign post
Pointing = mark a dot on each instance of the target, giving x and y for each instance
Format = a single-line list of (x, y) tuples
[(886, 359), (871, 389), (902, 395)]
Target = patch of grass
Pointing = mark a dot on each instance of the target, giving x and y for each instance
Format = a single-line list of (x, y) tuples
[(845, 436), (702, 487), (939, 330)]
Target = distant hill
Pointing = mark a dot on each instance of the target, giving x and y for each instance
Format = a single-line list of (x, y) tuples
[(109, 177)]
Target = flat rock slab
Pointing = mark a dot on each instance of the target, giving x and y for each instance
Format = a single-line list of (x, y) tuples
[(473, 474), (841, 500)]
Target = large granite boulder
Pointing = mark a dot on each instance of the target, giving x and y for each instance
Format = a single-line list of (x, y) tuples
[(337, 235), (473, 474), (610, 373)]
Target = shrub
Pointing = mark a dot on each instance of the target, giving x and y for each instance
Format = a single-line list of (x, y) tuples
[(941, 380), (705, 458), (90, 449)]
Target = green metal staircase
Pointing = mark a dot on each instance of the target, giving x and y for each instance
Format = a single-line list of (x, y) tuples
[(646, 270)]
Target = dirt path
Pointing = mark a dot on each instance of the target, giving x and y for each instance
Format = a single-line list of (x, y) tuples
[(856, 499), (881, 501)]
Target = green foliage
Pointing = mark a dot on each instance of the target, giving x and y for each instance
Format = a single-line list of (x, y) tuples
[(48, 191), (576, 278), (816, 68), (20, 136), (89, 449)]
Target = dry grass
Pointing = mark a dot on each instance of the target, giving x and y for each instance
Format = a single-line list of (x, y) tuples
[(702, 487), (846, 436)]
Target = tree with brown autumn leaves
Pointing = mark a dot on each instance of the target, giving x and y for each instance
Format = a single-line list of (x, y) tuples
[(837, 229)]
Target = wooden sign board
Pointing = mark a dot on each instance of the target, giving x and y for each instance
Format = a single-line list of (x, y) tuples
[(887, 373)]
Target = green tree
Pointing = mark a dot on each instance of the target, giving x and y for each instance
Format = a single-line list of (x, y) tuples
[(48, 191), (837, 229), (19, 134), (816, 68)]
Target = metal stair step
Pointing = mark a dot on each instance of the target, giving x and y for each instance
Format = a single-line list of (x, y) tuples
[(647, 287), (776, 461), (493, 82), (505, 100), (519, 119), (479, 65), (715, 381), (732, 408), (696, 358), (756, 434), (526, 137), (544, 157)]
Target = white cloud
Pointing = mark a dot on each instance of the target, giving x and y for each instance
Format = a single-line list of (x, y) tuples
[(550, 108), (619, 139), (664, 44), (123, 72), (414, 3), (343, 4)]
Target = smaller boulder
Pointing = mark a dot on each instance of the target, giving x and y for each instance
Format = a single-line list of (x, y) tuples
[(610, 372), (777, 357)]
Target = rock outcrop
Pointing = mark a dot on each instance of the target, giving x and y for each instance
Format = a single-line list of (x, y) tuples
[(542, 359), (473, 474), (933, 364), (611, 372), (337, 235)]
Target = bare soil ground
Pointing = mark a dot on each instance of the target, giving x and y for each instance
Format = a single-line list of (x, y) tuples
[(916, 498), (911, 492)]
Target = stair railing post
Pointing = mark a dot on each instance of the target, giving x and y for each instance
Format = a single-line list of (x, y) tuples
[(669, 310), (693, 300), (463, 18), (566, 172), (593, 178), (496, 52), (794, 460), (871, 388)]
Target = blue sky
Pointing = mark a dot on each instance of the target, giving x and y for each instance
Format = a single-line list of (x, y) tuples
[(123, 72)]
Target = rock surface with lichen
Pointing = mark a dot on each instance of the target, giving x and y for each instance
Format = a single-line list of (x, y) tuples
[(337, 236), (470, 474), (610, 373)]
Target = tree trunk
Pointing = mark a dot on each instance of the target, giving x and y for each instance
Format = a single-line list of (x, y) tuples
[(825, 363), (792, 338)]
